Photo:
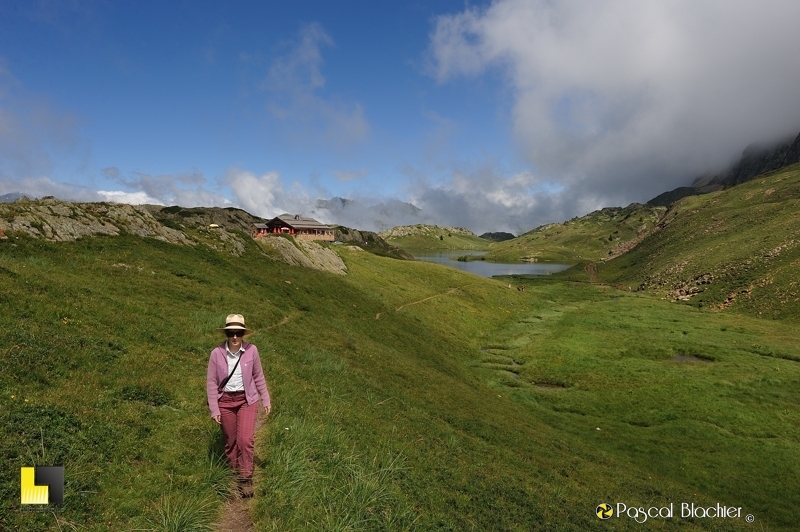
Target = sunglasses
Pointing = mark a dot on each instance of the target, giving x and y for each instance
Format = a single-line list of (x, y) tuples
[(231, 333)]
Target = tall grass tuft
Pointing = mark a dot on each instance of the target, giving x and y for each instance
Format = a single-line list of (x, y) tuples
[(219, 476), (179, 512), (316, 479)]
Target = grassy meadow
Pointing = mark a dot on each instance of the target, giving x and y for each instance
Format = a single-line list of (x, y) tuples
[(406, 396), (737, 248), (592, 237)]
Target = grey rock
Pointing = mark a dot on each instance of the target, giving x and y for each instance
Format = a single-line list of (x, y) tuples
[(303, 253), (61, 221)]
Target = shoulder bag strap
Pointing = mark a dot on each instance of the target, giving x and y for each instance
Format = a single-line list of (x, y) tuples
[(225, 381)]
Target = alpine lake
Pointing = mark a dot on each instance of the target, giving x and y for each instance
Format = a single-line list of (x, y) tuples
[(484, 268)]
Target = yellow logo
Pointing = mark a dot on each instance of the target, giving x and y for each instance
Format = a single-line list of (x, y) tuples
[(42, 485), (604, 511)]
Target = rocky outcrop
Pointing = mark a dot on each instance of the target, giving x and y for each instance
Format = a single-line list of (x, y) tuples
[(422, 229), (222, 229), (61, 221), (369, 241), (229, 217), (302, 253), (225, 230)]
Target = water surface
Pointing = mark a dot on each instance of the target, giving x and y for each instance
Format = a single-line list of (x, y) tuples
[(487, 269)]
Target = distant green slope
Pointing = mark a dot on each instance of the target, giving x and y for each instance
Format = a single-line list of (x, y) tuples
[(737, 248), (432, 237), (593, 237)]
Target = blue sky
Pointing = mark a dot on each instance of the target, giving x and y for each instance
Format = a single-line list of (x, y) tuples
[(491, 115)]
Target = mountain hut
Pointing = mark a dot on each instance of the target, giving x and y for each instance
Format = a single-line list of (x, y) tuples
[(298, 226)]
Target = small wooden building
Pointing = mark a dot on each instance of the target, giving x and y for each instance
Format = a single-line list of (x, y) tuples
[(298, 226), (259, 230)]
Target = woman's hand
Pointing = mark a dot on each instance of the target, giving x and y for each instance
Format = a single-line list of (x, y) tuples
[(267, 409), (216, 418)]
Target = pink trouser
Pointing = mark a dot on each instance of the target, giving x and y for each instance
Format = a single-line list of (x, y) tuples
[(238, 428)]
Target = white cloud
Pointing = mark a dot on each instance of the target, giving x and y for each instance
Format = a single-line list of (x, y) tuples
[(623, 100), (480, 200), (187, 189), (303, 115), (36, 187), (266, 196), (300, 68), (131, 198), (33, 134), (483, 200)]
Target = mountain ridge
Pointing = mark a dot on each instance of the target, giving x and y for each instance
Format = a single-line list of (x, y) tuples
[(433, 237), (756, 159), (738, 247)]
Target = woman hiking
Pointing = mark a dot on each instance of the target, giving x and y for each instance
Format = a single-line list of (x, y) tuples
[(234, 384)]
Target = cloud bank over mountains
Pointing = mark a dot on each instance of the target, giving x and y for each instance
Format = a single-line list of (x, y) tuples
[(620, 100), (481, 202)]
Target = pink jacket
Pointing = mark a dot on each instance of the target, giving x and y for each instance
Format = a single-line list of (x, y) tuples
[(252, 376)]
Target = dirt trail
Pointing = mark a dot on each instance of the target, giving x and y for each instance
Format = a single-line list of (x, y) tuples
[(450, 291), (591, 271), (236, 517), (284, 321)]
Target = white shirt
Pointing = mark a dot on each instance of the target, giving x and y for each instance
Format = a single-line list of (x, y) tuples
[(235, 384)]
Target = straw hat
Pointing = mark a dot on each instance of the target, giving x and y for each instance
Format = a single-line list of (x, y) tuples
[(235, 322)]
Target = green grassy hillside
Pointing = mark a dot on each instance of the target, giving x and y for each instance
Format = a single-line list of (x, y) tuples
[(596, 236), (738, 248), (406, 396), (432, 237)]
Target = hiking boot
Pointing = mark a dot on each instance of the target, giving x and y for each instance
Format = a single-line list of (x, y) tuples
[(246, 487)]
